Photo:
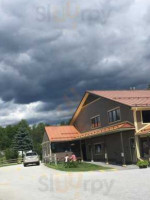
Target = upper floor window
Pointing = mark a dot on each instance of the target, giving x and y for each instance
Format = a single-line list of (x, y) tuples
[(146, 116), (95, 121), (114, 115)]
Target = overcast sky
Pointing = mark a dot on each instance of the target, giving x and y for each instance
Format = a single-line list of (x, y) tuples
[(51, 51)]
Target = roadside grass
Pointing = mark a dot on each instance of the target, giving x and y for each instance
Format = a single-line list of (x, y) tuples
[(81, 167), (5, 163)]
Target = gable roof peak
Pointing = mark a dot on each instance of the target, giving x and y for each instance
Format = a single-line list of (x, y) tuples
[(131, 98)]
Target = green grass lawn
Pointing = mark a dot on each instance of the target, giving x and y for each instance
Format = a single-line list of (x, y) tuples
[(81, 167)]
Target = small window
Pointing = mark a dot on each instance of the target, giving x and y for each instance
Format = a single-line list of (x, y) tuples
[(114, 115), (118, 114), (98, 148), (31, 154), (95, 121), (146, 116)]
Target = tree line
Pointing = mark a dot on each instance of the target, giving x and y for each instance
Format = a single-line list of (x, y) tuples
[(20, 138)]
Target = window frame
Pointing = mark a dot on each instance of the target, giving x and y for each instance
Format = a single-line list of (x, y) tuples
[(94, 127), (111, 111), (142, 117)]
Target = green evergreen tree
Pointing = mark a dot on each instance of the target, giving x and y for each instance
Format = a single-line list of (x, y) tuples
[(148, 87), (22, 140)]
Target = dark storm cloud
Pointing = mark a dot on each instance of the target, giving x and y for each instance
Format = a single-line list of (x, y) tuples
[(52, 51)]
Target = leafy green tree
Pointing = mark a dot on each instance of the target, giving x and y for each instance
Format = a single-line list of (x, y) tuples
[(37, 132), (22, 140), (10, 131), (11, 154), (22, 137), (3, 136), (148, 87), (62, 123)]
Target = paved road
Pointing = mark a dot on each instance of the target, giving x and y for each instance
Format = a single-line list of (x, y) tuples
[(42, 183)]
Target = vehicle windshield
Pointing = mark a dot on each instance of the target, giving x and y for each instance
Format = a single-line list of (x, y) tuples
[(31, 154)]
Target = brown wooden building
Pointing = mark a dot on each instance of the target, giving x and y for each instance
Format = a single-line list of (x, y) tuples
[(110, 126)]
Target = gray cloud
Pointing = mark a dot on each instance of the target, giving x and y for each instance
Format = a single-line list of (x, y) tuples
[(52, 51)]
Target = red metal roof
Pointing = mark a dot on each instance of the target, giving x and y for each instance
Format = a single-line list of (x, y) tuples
[(144, 131), (133, 98), (69, 133), (61, 133), (113, 128)]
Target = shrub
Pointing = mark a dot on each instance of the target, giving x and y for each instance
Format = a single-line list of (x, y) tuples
[(142, 163), (11, 154), (71, 165)]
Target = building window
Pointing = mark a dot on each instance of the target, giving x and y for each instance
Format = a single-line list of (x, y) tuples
[(114, 115), (98, 148), (146, 116), (145, 147), (95, 121)]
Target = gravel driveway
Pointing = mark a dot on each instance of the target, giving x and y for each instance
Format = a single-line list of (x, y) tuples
[(42, 183)]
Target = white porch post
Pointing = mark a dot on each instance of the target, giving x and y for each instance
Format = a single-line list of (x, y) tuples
[(50, 151), (92, 157), (137, 146), (136, 136)]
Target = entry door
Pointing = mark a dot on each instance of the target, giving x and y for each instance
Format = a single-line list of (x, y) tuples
[(133, 150)]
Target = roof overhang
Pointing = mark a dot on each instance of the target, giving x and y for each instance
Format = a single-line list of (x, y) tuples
[(79, 108), (57, 134), (143, 104), (107, 133), (141, 108), (61, 133), (120, 127), (145, 131), (55, 141), (94, 135)]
